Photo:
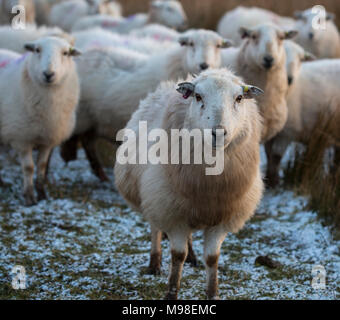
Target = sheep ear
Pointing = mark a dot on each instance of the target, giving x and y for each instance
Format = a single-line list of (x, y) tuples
[(298, 15), (183, 41), (249, 92), (29, 46), (291, 34), (226, 43), (330, 16), (308, 56), (244, 32), (74, 52), (186, 89)]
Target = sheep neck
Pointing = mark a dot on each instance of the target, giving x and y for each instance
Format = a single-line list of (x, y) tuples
[(272, 104)]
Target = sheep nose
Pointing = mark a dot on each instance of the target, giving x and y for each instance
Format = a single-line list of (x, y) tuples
[(49, 75), (311, 35), (268, 61), (204, 66), (290, 80), (219, 128)]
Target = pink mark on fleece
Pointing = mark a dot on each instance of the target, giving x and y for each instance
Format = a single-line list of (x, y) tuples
[(17, 61), (4, 63)]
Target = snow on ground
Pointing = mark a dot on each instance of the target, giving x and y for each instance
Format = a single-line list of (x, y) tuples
[(84, 243)]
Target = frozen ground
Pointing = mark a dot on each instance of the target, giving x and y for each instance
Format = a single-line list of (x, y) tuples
[(84, 243)]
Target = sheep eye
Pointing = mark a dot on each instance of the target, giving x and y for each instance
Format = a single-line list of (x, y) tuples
[(65, 53), (198, 98), (239, 99), (191, 44), (37, 50), (254, 36)]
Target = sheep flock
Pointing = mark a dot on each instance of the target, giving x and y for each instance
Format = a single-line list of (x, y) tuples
[(81, 77)]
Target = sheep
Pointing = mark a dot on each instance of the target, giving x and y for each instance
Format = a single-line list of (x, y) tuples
[(166, 12), (157, 32), (66, 13), (38, 100), (180, 198), (100, 38), (322, 43), (6, 7), (295, 54), (313, 96), (14, 40), (233, 20), (110, 95), (261, 60)]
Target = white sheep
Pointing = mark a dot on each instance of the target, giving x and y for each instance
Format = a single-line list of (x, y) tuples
[(99, 38), (6, 7), (39, 95), (110, 94), (261, 60), (157, 32), (295, 54), (14, 40), (233, 20), (166, 12), (66, 13), (179, 199), (313, 96), (323, 43)]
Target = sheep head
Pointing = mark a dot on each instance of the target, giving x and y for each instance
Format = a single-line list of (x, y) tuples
[(264, 45), (51, 60), (218, 100), (202, 49), (169, 13)]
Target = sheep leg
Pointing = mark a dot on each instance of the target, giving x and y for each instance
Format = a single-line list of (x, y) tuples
[(179, 251), (191, 258), (88, 141), (43, 158), (213, 238), (156, 252), (48, 166), (275, 149), (27, 166)]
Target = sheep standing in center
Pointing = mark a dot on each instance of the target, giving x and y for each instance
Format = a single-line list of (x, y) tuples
[(39, 93), (110, 94), (180, 198), (261, 60)]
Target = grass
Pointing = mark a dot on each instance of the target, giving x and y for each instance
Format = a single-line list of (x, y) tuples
[(315, 170)]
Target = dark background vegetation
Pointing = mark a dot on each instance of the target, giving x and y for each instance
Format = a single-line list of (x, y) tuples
[(206, 13)]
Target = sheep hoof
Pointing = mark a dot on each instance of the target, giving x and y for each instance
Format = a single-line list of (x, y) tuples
[(29, 199), (171, 296), (155, 271), (42, 195), (272, 181)]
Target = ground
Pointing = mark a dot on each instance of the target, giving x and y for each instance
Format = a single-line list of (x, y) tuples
[(85, 243)]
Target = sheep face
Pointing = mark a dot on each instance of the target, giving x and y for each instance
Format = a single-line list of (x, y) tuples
[(203, 49), (309, 35), (264, 45), (295, 55), (169, 13), (218, 101), (50, 61)]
